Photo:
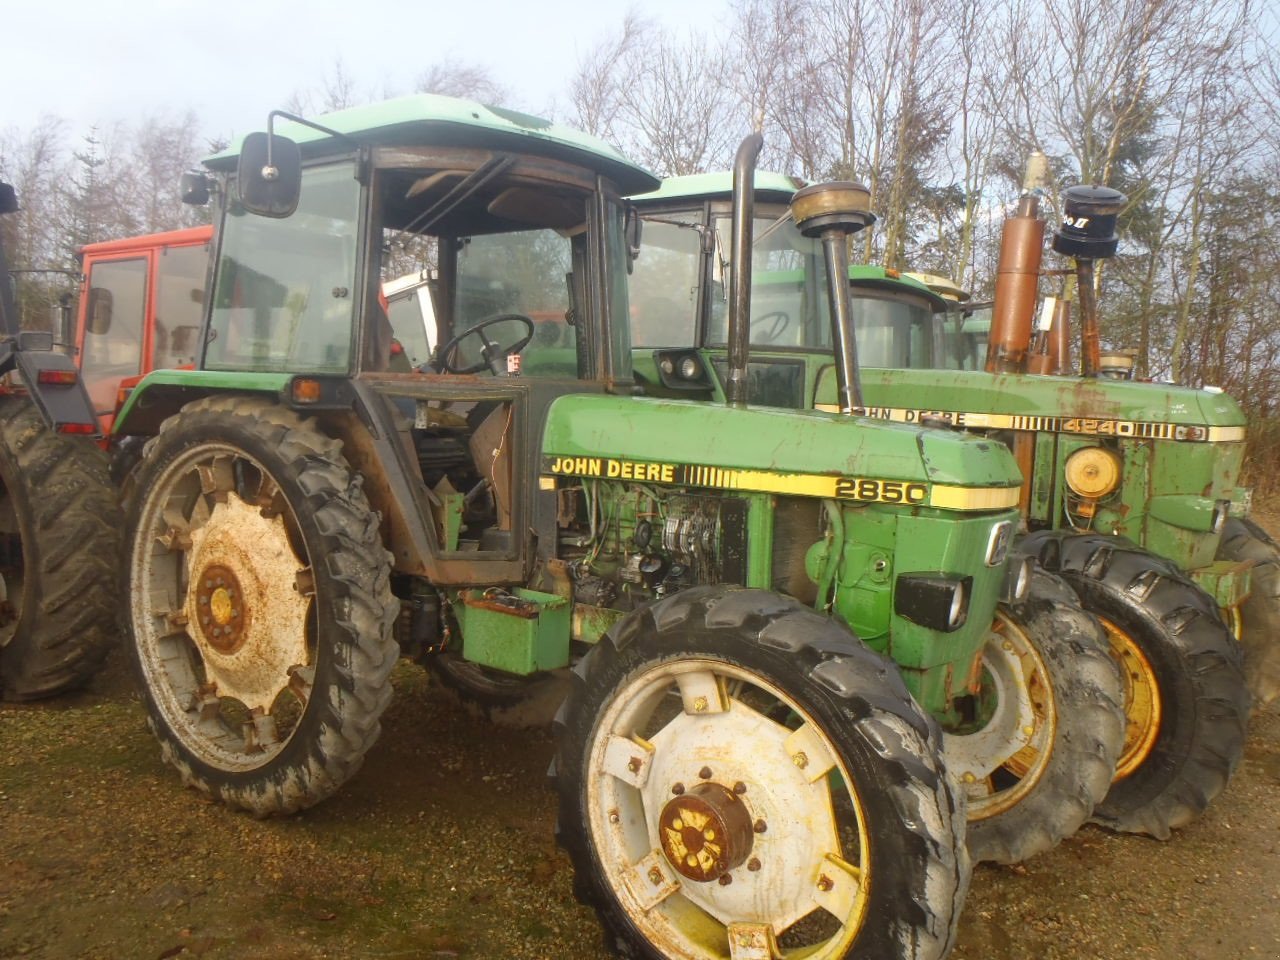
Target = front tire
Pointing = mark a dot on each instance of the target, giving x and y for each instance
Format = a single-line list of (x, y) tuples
[(1045, 756), (1186, 703), (1243, 540), (60, 544), (833, 828), (261, 610)]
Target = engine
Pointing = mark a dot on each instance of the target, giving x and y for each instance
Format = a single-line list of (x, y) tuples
[(630, 543)]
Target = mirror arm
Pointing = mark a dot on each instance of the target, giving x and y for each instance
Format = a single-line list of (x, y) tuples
[(269, 172)]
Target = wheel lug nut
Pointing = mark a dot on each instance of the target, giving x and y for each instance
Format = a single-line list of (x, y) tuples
[(705, 773), (739, 788), (753, 864), (677, 788), (726, 879), (760, 826)]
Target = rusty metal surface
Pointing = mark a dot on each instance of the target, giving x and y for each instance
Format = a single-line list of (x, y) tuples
[(1017, 280), (252, 552)]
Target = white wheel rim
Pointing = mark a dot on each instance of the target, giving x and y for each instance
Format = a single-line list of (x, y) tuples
[(233, 701), (1018, 738), (803, 884)]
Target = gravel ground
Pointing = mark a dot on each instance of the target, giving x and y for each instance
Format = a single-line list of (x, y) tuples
[(441, 847)]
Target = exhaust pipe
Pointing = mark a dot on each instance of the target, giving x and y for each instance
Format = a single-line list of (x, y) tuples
[(744, 204), (1018, 275)]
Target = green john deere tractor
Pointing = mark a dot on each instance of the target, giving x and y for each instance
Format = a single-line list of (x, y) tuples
[(763, 608), (1156, 464), (59, 524)]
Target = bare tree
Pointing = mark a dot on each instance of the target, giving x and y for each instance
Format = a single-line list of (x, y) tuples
[(453, 78)]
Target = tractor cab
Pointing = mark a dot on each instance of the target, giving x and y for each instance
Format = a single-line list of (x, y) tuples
[(516, 227), (687, 234)]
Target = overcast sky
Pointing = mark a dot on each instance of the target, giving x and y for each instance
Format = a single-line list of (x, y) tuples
[(93, 61)]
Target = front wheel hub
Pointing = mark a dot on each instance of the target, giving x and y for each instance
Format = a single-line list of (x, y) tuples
[(706, 832)]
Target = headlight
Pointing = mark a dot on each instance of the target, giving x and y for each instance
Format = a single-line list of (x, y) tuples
[(998, 543), (1092, 472), (1017, 579), (936, 601)]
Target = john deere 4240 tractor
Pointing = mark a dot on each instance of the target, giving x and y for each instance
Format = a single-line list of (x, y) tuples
[(1127, 486), (764, 609)]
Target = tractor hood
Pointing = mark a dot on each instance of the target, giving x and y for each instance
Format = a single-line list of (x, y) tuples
[(1155, 405), (797, 452)]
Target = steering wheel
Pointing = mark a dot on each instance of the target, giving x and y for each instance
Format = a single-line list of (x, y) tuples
[(492, 353), (768, 327)]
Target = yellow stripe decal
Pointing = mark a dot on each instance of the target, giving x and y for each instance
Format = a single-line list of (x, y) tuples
[(1088, 426), (860, 489)]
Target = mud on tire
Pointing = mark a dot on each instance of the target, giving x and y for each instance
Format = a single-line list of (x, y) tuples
[(61, 537), (262, 612), (1186, 700), (771, 669)]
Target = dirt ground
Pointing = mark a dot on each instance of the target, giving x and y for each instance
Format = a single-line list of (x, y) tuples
[(441, 847)]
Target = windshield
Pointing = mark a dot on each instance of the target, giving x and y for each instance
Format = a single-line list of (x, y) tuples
[(664, 281), (788, 287), (893, 331), (283, 293), (964, 340)]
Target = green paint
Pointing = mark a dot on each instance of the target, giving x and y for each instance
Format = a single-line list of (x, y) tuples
[(511, 641), (757, 438), (163, 392)]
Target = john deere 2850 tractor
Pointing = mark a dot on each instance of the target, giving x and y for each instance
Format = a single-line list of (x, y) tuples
[(1156, 463), (764, 608)]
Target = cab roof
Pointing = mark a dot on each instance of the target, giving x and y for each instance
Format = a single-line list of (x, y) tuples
[(777, 187), (425, 118)]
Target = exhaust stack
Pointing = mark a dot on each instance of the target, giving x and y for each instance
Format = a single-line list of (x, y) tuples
[(1018, 275), (744, 196)]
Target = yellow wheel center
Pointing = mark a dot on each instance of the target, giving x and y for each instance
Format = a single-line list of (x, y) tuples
[(1142, 710), (706, 832), (220, 606)]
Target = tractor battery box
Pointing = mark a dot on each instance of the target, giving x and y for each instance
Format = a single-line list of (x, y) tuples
[(516, 630)]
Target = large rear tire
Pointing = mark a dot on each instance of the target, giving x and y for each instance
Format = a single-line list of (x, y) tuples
[(1046, 754), (1244, 540), (1186, 702), (734, 767), (60, 536), (261, 611)]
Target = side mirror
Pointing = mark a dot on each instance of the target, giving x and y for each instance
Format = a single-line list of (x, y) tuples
[(194, 187), (8, 198), (269, 177), (98, 316), (632, 230)]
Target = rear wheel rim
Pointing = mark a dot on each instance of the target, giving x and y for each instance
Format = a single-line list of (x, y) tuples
[(222, 608)]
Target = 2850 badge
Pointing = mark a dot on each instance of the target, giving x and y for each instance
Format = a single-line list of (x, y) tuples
[(869, 490)]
